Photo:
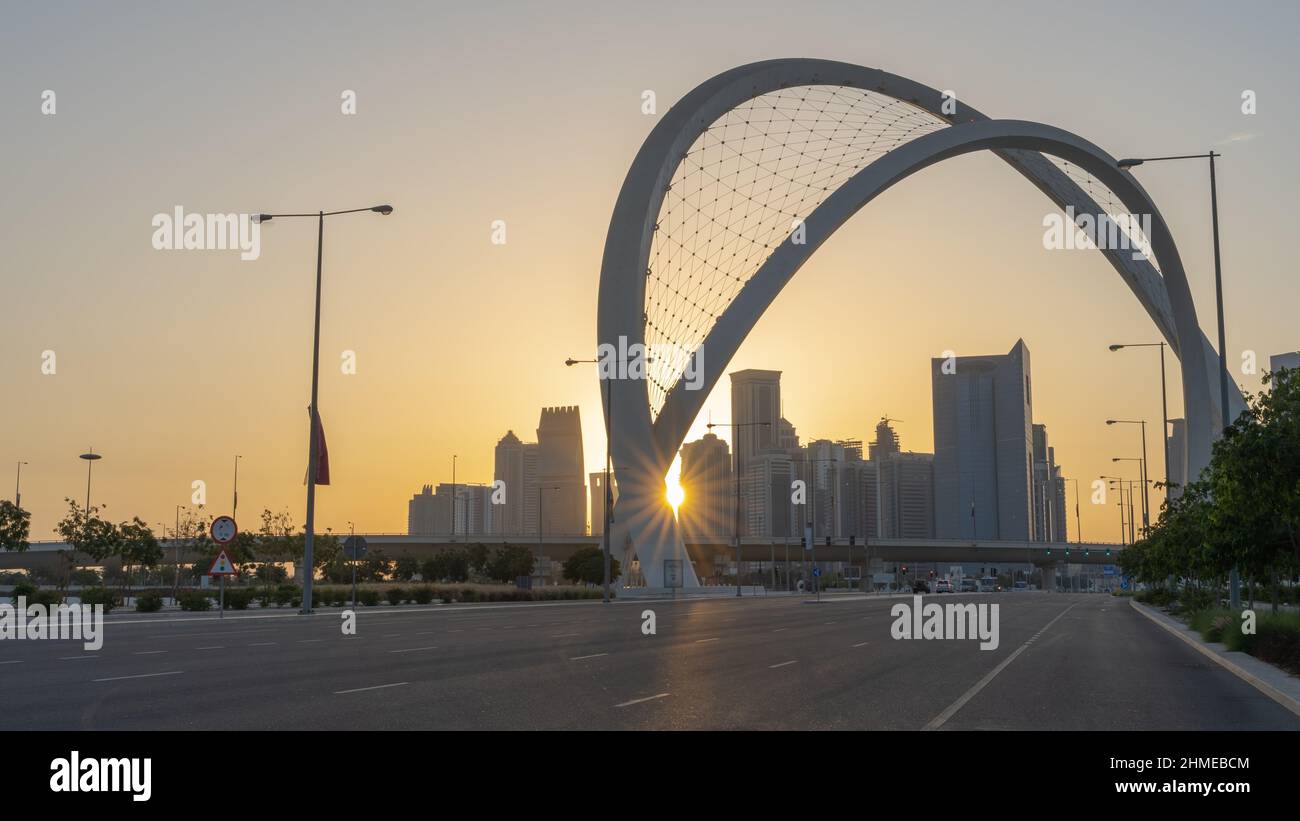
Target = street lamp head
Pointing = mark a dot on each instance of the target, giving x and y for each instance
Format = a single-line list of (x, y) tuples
[(1128, 163), (261, 218), (383, 209), (90, 457), (1116, 347), (1111, 421), (570, 362)]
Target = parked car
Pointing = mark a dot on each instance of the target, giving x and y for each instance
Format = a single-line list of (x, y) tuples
[(920, 586), (969, 586), (943, 586)]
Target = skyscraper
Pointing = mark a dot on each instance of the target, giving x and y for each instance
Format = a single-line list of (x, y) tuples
[(1048, 521), (707, 512), (755, 417), (983, 446), (907, 495), (421, 513), (510, 470), (560, 473)]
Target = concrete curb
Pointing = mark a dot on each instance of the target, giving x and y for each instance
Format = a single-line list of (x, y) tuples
[(1284, 689)]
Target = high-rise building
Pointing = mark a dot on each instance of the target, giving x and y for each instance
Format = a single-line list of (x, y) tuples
[(858, 500), (886, 441), (1177, 457), (755, 417), (707, 514), (510, 470), (1046, 477), (768, 494), (825, 462), (561, 477), (907, 495), (421, 513), (983, 446), (786, 437), (596, 484)]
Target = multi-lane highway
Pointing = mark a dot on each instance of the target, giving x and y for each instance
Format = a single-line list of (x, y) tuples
[(1080, 662)]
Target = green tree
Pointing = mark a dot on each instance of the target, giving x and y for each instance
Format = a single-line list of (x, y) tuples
[(587, 565), (138, 547), (86, 533), (405, 568), (509, 562), (15, 527)]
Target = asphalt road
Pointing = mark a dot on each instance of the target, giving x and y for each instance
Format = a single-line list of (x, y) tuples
[(1075, 662)]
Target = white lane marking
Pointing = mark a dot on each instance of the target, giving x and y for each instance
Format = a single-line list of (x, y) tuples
[(15, 661), (939, 720), (563, 635), (262, 643), (376, 687), (390, 635), (779, 629), (212, 647), (592, 656), (148, 652), (456, 631), (641, 700), (703, 641), (412, 649), (141, 675), (832, 622), (426, 633), (782, 664), (309, 641), (862, 644), (74, 658)]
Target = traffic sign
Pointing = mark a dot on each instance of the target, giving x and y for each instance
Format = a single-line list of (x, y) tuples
[(222, 566), (224, 530), (354, 547), (817, 571)]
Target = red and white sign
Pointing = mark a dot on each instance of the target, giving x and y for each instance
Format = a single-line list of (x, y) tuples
[(224, 530), (222, 566)]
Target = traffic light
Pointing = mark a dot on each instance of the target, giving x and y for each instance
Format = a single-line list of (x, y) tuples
[(1049, 551), (1085, 554), (904, 568), (853, 540), (828, 541), (1108, 552), (803, 542), (1067, 553), (932, 574)]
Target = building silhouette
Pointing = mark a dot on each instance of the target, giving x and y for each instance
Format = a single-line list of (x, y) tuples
[(756, 420), (983, 446), (561, 477), (707, 514)]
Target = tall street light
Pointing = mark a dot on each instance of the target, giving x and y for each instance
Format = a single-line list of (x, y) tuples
[(735, 458), (1164, 399), (1235, 577), (234, 503), (1124, 538), (609, 493), (1078, 520), (18, 487), (1146, 510), (91, 458), (1142, 481), (312, 447)]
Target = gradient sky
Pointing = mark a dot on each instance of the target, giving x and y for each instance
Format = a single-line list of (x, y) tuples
[(169, 363)]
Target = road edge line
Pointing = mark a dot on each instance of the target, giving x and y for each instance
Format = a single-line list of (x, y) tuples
[(1231, 666)]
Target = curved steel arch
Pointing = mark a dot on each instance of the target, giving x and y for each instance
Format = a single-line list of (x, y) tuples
[(644, 449)]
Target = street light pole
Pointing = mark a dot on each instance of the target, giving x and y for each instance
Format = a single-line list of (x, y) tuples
[(91, 458), (234, 502), (1146, 510), (1164, 402), (1234, 576), (313, 445), (609, 492), (18, 487)]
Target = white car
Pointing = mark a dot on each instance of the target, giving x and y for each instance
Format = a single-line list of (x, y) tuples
[(943, 586)]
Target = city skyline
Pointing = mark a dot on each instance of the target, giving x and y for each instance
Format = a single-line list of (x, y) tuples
[(158, 328)]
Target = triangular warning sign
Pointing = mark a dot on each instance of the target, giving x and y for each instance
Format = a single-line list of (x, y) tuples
[(222, 566)]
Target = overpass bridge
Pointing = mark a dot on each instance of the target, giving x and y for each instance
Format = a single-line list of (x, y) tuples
[(709, 558)]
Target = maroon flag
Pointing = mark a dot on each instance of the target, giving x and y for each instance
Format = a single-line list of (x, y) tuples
[(322, 452)]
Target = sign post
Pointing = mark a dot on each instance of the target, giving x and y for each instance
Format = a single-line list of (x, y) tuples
[(354, 547), (224, 531)]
